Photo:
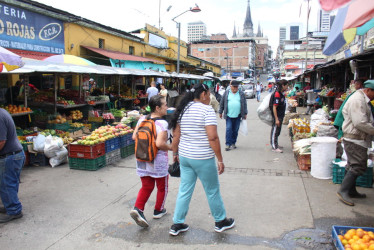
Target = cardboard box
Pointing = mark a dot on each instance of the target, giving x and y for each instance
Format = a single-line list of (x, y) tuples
[(76, 134)]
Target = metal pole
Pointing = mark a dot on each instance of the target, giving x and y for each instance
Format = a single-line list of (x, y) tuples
[(362, 44), (179, 46), (306, 48), (159, 12)]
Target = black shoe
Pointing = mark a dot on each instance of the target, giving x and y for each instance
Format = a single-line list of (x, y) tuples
[(224, 225), (233, 146), (2, 210), (7, 217), (178, 228), (227, 148), (158, 214), (139, 217), (352, 193)]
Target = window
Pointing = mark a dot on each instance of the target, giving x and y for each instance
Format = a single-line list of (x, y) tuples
[(101, 43), (131, 50)]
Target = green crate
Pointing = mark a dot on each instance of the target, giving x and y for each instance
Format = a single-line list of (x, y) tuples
[(365, 180), (60, 126), (87, 164), (127, 151), (95, 125), (19, 132)]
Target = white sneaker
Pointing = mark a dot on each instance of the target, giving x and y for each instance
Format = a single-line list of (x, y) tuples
[(277, 150)]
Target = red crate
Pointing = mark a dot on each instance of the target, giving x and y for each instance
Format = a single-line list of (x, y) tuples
[(304, 162), (86, 152)]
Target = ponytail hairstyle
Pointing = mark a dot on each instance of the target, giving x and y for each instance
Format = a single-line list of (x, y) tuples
[(194, 93), (280, 84)]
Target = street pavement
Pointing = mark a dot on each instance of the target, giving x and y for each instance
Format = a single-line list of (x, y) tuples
[(275, 205)]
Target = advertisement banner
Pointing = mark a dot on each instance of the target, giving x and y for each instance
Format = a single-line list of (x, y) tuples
[(25, 30)]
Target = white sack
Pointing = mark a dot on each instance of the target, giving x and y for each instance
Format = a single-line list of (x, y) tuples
[(39, 142), (264, 112), (61, 157), (53, 144), (320, 116)]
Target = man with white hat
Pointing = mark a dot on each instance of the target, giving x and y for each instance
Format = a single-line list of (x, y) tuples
[(358, 130)]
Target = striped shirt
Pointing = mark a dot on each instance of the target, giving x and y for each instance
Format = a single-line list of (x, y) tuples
[(194, 142)]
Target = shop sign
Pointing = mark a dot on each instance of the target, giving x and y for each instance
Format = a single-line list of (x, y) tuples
[(26, 30)]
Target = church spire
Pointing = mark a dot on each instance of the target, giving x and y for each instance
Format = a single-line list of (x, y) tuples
[(259, 31), (234, 33), (248, 25)]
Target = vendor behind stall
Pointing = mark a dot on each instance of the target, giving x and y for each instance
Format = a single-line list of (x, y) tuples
[(13, 92)]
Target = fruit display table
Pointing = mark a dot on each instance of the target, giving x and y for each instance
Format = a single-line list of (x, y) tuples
[(21, 114)]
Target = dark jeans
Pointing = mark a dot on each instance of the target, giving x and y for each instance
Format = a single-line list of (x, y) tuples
[(275, 132), (232, 128), (357, 158), (10, 170)]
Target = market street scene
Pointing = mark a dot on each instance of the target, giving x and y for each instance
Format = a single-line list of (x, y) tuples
[(194, 125)]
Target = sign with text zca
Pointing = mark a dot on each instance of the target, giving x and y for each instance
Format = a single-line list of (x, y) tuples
[(26, 30)]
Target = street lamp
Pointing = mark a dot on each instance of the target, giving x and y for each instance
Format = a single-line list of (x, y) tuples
[(194, 9)]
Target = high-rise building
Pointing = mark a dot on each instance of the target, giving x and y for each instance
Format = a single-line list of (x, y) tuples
[(282, 35), (324, 21), (195, 31)]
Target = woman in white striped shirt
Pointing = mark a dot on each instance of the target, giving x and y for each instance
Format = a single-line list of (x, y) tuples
[(195, 145)]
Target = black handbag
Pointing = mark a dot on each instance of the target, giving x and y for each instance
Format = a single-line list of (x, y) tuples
[(174, 169)]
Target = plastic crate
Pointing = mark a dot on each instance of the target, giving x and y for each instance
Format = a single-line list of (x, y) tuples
[(127, 151), (60, 126), (341, 230), (38, 159), (85, 151), (113, 157), (122, 141), (87, 164), (95, 119), (111, 144), (304, 162), (365, 180)]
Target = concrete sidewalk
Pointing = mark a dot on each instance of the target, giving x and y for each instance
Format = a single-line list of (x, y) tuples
[(276, 206)]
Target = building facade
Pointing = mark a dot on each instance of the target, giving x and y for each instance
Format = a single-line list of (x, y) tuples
[(195, 31), (282, 35), (324, 21)]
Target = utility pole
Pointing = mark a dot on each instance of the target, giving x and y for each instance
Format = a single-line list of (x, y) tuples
[(306, 47)]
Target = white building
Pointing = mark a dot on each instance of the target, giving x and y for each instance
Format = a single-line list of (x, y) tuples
[(324, 21), (282, 35), (195, 31)]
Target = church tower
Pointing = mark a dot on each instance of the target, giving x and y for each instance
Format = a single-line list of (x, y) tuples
[(248, 25), (259, 34), (234, 33)]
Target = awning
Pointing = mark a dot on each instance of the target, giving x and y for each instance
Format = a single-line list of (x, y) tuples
[(289, 66), (31, 54), (120, 55)]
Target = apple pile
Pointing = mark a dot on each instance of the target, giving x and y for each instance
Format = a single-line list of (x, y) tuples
[(104, 133)]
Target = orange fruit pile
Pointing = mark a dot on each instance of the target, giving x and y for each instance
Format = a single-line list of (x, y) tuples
[(357, 239), (13, 109)]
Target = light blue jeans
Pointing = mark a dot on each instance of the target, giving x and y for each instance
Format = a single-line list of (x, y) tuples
[(207, 172)]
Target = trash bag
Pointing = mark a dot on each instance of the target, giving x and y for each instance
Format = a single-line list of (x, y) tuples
[(61, 157), (53, 144), (39, 142), (243, 129), (264, 112)]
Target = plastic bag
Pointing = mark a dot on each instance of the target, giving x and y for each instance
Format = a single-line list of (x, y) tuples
[(320, 116), (243, 129), (264, 112), (327, 130), (174, 169), (39, 142), (53, 144), (61, 157)]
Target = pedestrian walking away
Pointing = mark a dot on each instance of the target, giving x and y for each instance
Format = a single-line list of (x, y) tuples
[(278, 110), (233, 107), (195, 145), (358, 131), (258, 91), (152, 91), (12, 159), (155, 171)]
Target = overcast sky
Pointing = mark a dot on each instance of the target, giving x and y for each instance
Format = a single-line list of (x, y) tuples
[(218, 15)]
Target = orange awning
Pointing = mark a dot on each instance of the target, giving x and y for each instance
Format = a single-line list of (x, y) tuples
[(120, 55), (289, 66)]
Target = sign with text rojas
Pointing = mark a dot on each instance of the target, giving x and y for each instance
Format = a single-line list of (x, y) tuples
[(26, 30)]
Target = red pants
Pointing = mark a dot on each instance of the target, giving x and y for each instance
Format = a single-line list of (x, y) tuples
[(148, 184)]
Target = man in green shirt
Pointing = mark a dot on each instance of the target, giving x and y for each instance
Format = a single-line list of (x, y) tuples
[(233, 108)]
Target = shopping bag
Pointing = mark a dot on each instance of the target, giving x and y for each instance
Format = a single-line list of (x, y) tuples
[(174, 169), (243, 129)]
